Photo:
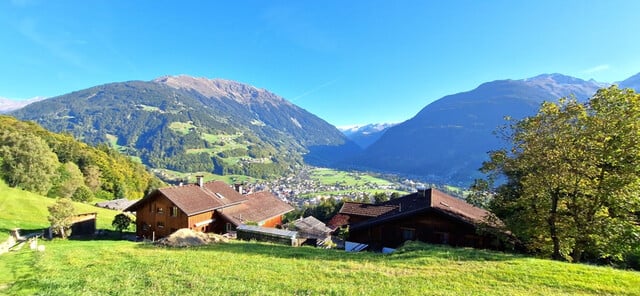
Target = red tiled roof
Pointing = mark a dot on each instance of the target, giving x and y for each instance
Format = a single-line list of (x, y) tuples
[(193, 199), (258, 207), (337, 221)]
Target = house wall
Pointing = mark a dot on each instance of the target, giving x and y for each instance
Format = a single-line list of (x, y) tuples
[(195, 219), (155, 217), (428, 226), (273, 222)]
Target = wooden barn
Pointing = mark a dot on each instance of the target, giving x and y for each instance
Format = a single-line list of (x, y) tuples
[(428, 215), (206, 207)]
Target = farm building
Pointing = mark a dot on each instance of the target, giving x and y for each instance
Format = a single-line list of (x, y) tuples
[(205, 207), (265, 234), (312, 230), (428, 215)]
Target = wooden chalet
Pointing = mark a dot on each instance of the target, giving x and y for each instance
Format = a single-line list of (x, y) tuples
[(206, 207), (428, 215)]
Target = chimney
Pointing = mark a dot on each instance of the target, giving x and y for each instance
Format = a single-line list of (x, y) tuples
[(200, 180), (238, 187), (422, 191)]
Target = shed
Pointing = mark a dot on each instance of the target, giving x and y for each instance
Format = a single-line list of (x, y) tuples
[(312, 230), (84, 224), (265, 234)]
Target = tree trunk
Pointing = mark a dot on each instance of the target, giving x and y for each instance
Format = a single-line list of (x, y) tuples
[(553, 213)]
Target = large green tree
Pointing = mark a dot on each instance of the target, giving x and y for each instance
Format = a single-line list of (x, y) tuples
[(570, 182), (27, 161)]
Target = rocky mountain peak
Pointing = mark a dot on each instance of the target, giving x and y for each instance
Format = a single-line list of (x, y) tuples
[(221, 88), (559, 85)]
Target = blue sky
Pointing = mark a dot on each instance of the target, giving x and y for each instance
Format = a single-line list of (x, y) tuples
[(349, 62)]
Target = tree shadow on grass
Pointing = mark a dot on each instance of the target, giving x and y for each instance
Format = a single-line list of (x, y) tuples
[(24, 232), (105, 235), (311, 253)]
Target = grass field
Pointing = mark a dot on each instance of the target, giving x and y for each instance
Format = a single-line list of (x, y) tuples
[(113, 267), (329, 177), (191, 177), (249, 268), (25, 210)]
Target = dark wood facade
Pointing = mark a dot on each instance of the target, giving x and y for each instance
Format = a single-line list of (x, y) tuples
[(428, 226), (429, 216)]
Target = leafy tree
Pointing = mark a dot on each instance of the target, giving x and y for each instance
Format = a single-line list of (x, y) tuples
[(572, 177), (60, 214), (92, 177), (82, 194), (28, 162), (69, 178), (121, 222), (380, 197)]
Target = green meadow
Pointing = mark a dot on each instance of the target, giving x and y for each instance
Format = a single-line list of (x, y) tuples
[(115, 267)]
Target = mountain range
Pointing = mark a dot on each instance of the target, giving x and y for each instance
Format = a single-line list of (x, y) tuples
[(448, 140), (190, 124), (365, 135)]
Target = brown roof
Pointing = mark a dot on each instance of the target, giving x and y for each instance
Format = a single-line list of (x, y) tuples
[(260, 206), (193, 199), (367, 210), (407, 205), (337, 221), (311, 227)]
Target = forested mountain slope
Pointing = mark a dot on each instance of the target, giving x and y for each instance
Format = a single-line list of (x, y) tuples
[(192, 124), (448, 140), (57, 165)]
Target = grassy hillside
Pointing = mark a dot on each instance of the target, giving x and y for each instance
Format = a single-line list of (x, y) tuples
[(108, 267), (246, 268), (26, 210)]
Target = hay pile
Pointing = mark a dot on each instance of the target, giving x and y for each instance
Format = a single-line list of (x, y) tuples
[(188, 238)]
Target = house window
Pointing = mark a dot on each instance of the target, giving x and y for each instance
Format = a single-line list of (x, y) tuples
[(174, 211), (442, 237), (160, 211), (160, 225), (408, 233)]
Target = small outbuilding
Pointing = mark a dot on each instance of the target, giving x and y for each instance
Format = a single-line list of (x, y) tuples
[(312, 230), (265, 234)]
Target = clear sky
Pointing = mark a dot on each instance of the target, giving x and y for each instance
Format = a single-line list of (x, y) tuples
[(349, 62)]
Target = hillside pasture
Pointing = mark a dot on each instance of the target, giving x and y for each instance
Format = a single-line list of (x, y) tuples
[(26, 210), (249, 268), (329, 177)]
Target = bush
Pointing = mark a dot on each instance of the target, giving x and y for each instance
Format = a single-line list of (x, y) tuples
[(632, 259), (82, 194)]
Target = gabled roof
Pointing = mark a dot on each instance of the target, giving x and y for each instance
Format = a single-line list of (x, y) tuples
[(430, 199), (258, 207), (310, 226), (193, 199), (367, 210)]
